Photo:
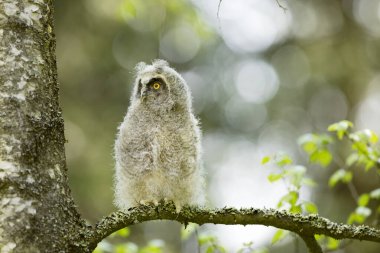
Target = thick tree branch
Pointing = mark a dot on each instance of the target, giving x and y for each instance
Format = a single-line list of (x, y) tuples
[(305, 226)]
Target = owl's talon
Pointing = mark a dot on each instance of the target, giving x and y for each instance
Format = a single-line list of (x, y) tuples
[(178, 208), (143, 202)]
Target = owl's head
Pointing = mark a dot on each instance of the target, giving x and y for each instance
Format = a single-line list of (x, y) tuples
[(160, 88)]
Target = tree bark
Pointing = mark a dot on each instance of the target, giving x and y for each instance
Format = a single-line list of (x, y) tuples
[(37, 213)]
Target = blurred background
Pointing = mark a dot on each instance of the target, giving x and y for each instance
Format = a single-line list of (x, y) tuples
[(262, 73)]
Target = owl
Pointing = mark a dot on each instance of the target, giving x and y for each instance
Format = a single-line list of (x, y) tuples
[(158, 145)]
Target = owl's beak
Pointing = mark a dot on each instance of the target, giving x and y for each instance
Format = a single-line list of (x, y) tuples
[(144, 94)]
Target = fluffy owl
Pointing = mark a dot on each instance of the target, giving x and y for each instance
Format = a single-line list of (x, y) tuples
[(157, 149)]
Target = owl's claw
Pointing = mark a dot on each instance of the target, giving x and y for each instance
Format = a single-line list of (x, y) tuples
[(178, 208), (145, 202)]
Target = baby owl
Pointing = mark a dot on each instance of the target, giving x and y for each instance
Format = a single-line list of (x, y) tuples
[(157, 150)]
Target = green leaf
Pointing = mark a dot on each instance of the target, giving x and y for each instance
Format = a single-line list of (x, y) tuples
[(308, 182), (351, 159), (332, 244), (97, 250), (347, 177), (321, 156), (296, 174), (221, 249), (210, 249), (283, 160), (154, 246), (274, 177), (290, 198), (363, 199), (361, 147), (124, 232), (375, 194), (355, 218), (295, 209), (125, 248), (340, 128), (265, 160), (310, 207), (369, 165), (372, 136), (128, 10), (279, 235), (204, 239), (308, 142), (360, 215), (340, 175)]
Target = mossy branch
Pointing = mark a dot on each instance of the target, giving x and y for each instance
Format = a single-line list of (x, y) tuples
[(306, 226)]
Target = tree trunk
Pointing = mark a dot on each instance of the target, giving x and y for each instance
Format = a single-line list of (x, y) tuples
[(37, 213)]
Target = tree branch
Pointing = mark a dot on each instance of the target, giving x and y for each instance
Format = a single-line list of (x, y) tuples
[(305, 226), (311, 243)]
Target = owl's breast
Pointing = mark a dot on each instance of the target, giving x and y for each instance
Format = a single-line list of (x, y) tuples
[(174, 150)]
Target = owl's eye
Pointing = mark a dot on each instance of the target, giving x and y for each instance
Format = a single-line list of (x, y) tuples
[(156, 86)]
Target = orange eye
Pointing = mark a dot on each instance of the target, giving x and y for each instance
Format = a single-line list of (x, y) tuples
[(156, 86)]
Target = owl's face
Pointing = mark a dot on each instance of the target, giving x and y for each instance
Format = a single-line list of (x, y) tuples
[(153, 92), (159, 88)]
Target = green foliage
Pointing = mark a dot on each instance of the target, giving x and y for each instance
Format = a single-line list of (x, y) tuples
[(364, 144), (341, 128), (279, 235), (363, 199), (294, 177), (316, 146), (364, 151), (154, 246), (210, 244), (133, 11), (329, 243), (340, 175), (265, 160), (124, 232), (248, 248), (310, 207), (359, 215)]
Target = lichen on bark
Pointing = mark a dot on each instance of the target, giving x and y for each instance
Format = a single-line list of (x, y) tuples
[(36, 209)]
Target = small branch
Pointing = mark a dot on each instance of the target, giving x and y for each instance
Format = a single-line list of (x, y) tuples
[(281, 6), (311, 243), (305, 226), (219, 4)]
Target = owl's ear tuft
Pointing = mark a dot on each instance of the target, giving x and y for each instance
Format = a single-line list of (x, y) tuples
[(140, 66), (159, 63)]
